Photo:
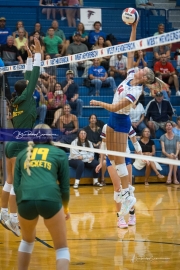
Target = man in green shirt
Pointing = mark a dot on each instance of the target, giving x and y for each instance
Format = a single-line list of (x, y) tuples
[(52, 43)]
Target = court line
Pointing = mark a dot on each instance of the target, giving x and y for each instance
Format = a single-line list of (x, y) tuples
[(43, 242)]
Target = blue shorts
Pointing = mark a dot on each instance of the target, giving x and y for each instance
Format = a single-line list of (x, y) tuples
[(119, 122), (127, 161)]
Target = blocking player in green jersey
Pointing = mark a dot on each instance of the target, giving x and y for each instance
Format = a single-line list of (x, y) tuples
[(23, 116), (41, 185)]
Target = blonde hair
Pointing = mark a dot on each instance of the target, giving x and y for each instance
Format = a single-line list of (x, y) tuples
[(31, 145), (151, 79)]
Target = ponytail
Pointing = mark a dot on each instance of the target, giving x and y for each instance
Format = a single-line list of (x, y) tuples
[(152, 80), (28, 158)]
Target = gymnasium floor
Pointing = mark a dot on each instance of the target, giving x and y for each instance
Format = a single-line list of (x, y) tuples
[(96, 243)]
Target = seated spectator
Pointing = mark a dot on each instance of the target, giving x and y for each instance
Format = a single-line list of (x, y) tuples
[(148, 149), (71, 12), (160, 111), (140, 59), (37, 28), (20, 43), (98, 76), (19, 24), (48, 75), (160, 31), (159, 50), (118, 66), (78, 47), (96, 33), (48, 11), (170, 149), (145, 4), (41, 107), (84, 35), (31, 44), (59, 33), (176, 128), (10, 54), (68, 125), (166, 72), (137, 114), (82, 159), (55, 100), (71, 90), (4, 31), (52, 43), (100, 44)]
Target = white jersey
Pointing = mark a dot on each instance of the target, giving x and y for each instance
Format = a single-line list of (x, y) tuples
[(126, 90), (131, 134)]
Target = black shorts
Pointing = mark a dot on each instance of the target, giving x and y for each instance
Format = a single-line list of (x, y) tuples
[(32, 209)]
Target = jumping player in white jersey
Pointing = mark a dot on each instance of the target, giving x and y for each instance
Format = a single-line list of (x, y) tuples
[(121, 223), (119, 121)]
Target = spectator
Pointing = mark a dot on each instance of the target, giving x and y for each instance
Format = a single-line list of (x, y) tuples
[(37, 28), (137, 114), (41, 107), (78, 47), (96, 33), (71, 12), (148, 149), (48, 11), (31, 44), (56, 100), (98, 76), (160, 111), (4, 31), (170, 149), (166, 72), (100, 44), (176, 129), (118, 65), (140, 59), (79, 159), (68, 124), (62, 3), (84, 35), (19, 24), (58, 32), (159, 50), (160, 29), (145, 4), (70, 89), (10, 54), (20, 43), (52, 43)]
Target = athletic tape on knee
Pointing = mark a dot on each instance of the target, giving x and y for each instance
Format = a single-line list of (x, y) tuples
[(26, 247), (12, 191), (122, 170), (63, 253), (7, 187), (137, 147)]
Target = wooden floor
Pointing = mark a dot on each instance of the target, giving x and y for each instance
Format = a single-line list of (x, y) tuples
[(96, 243)]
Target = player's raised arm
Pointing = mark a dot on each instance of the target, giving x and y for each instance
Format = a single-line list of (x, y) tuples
[(130, 55)]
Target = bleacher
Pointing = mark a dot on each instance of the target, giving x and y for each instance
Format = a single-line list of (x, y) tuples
[(147, 26)]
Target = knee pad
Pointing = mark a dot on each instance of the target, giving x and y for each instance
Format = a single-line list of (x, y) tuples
[(62, 253), (12, 191), (122, 170), (26, 247), (7, 187)]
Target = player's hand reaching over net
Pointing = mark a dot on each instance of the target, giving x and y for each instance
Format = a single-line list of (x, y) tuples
[(28, 50), (37, 46)]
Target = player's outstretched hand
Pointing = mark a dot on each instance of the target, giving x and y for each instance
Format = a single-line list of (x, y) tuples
[(136, 23), (94, 103), (28, 50), (37, 45)]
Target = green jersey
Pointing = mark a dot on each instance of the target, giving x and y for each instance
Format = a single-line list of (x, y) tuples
[(24, 112), (52, 44), (48, 165)]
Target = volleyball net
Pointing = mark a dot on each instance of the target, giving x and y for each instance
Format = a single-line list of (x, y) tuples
[(57, 70)]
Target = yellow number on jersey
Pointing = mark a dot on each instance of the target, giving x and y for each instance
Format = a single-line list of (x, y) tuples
[(40, 151)]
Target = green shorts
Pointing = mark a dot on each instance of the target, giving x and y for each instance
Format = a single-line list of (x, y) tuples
[(12, 149), (32, 209)]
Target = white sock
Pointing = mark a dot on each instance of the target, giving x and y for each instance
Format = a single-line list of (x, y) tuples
[(117, 195), (76, 182), (4, 210), (14, 217), (95, 180)]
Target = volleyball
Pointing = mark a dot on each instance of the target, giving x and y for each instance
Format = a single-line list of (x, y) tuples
[(130, 16)]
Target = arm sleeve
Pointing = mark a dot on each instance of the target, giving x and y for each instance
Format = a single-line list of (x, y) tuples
[(63, 177), (17, 175)]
